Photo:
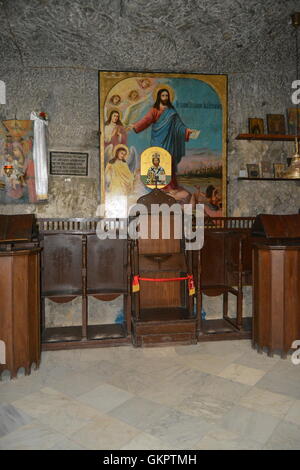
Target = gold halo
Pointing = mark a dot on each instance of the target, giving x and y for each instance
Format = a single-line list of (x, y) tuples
[(150, 151), (120, 146), (162, 86)]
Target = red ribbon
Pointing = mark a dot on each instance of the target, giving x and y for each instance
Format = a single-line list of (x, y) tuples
[(188, 277)]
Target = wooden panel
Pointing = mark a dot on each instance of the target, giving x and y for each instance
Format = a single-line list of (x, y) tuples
[(161, 294), (62, 257), (17, 227), (20, 304), (6, 319), (20, 310), (277, 226), (292, 300), (276, 298), (213, 259), (34, 319), (183, 338), (106, 265), (162, 262), (161, 244), (276, 294)]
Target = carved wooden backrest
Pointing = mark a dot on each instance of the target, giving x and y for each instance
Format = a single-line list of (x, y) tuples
[(156, 224)]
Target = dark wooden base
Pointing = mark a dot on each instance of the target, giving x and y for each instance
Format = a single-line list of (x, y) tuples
[(70, 337), (176, 327), (271, 352), (221, 330)]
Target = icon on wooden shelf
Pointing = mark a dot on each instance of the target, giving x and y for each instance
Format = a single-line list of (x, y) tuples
[(256, 126), (253, 170), (276, 124), (279, 169)]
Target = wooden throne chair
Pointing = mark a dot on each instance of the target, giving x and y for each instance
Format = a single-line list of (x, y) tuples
[(163, 290)]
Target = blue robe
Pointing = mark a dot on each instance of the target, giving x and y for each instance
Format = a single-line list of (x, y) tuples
[(168, 132)]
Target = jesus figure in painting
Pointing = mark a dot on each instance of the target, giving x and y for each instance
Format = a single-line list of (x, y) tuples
[(168, 131)]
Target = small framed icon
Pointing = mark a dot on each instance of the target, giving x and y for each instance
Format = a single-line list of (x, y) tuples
[(253, 170), (279, 169), (256, 126), (276, 124)]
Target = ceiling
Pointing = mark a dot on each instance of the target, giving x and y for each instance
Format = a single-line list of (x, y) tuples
[(215, 35)]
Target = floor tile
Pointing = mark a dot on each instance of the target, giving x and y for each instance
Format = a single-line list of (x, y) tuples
[(42, 402), (222, 439), (242, 374), (172, 389), (19, 388), (104, 370), (144, 441), (105, 433), (209, 363), (131, 381), (272, 403), (34, 436), (217, 395), (253, 359), (222, 389), (105, 397), (75, 384), (179, 429), (286, 436), (205, 407), (282, 378), (159, 352), (293, 414), (67, 444), (249, 424), (11, 419), (140, 412), (70, 417), (224, 348)]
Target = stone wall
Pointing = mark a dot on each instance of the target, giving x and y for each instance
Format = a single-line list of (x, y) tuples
[(51, 52)]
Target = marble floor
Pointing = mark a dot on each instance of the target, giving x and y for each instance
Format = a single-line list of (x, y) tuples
[(218, 395)]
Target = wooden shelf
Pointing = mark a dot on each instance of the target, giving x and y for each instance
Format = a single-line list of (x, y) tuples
[(280, 137), (268, 179)]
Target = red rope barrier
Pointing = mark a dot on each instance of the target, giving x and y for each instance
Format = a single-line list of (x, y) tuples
[(189, 278), (165, 279)]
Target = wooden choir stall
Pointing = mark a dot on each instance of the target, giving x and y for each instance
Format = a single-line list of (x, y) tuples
[(276, 283), (161, 282), (76, 263), (19, 293)]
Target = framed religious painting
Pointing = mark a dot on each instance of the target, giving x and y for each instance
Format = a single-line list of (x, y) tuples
[(184, 114), (17, 172), (293, 119)]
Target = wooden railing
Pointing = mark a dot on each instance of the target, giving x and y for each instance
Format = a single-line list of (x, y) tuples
[(89, 225)]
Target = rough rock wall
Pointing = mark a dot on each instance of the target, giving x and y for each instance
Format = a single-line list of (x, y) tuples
[(51, 51)]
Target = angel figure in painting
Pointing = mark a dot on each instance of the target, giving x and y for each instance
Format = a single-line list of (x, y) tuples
[(118, 177), (114, 131)]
